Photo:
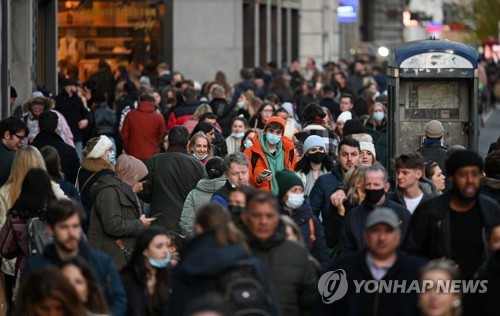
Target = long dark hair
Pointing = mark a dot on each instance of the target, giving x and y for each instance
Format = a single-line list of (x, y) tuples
[(52, 162), (214, 217), (137, 265), (304, 164), (96, 303), (36, 194), (48, 283)]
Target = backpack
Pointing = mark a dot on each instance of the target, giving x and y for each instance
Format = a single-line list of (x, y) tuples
[(38, 237), (241, 287)]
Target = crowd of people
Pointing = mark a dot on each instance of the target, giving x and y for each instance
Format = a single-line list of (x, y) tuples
[(182, 198)]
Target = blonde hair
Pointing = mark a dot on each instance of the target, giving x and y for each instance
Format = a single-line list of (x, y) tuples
[(351, 180), (193, 140), (27, 158), (202, 109), (289, 222)]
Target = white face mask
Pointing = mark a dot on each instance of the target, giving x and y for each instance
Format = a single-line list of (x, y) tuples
[(295, 200)]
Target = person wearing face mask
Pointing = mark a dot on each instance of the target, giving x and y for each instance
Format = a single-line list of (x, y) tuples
[(98, 160), (238, 127), (246, 141), (200, 148), (269, 154), (314, 162), (293, 203), (376, 127), (147, 274), (116, 218), (376, 187)]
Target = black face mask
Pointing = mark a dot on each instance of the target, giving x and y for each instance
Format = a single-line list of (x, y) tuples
[(373, 196), (317, 157), (234, 209)]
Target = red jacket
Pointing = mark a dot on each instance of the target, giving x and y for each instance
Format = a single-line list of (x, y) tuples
[(141, 131)]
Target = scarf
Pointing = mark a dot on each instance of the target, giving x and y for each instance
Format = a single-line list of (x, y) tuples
[(275, 162), (310, 181)]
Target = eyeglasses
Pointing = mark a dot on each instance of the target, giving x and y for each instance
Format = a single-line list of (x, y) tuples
[(23, 138)]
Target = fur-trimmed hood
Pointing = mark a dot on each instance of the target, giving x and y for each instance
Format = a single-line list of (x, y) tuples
[(492, 183), (97, 164), (48, 103)]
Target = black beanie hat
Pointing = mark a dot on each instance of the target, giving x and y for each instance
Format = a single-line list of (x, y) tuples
[(286, 179), (353, 127), (463, 158)]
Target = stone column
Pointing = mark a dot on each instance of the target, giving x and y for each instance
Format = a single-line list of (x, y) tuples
[(21, 41)]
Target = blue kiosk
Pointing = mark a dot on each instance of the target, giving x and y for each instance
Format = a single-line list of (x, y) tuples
[(432, 80)]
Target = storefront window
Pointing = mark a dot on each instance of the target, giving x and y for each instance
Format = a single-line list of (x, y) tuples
[(122, 33)]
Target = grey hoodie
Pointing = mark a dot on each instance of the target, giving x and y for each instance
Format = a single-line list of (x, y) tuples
[(197, 198)]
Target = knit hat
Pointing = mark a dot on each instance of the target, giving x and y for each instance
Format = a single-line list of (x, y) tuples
[(286, 180), (98, 150), (288, 107), (463, 158), (434, 129), (70, 82), (275, 119), (313, 141), (344, 116), (368, 146), (130, 169), (353, 127)]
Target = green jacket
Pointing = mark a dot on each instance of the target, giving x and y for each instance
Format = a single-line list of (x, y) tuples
[(114, 216)]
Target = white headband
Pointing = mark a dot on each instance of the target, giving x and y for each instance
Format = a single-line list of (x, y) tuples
[(100, 148)]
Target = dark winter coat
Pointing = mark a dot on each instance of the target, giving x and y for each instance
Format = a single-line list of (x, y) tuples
[(203, 259), (323, 188), (388, 304), (70, 163), (114, 216), (101, 264), (141, 131), (434, 151), (105, 120), (225, 113), (138, 296), (69, 190), (89, 173), (6, 160), (485, 303), (429, 232), (302, 217), (221, 196), (380, 141), (171, 176), (332, 106), (351, 234), (292, 274), (73, 110)]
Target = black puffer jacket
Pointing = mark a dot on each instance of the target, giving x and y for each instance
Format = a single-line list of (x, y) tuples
[(292, 274)]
